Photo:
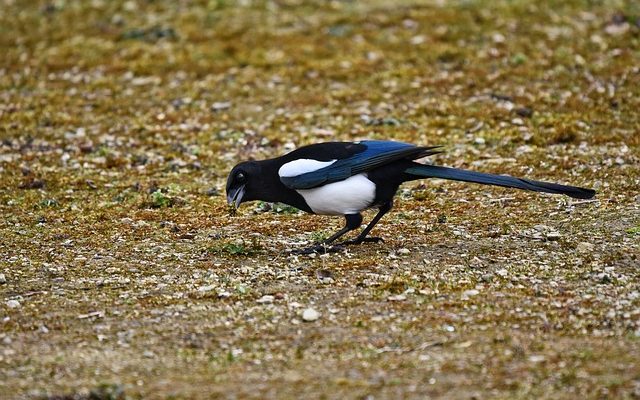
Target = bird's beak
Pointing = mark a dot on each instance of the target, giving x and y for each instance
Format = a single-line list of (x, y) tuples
[(235, 196)]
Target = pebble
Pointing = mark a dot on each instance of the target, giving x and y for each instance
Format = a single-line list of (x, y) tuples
[(553, 236), (470, 293), (585, 247), (487, 277), (13, 304), (266, 299), (3, 279), (398, 297), (221, 105), (604, 278), (524, 112), (536, 358), (404, 251), (310, 315), (206, 288)]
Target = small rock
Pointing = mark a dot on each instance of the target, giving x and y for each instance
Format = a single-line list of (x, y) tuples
[(221, 105), (266, 299), (604, 278), (487, 277), (214, 191), (502, 272), (3, 279), (13, 304), (398, 297), (224, 295), (498, 38), (323, 132), (552, 236), (310, 315), (32, 183), (206, 288), (617, 29), (585, 247), (325, 276), (536, 358), (470, 293), (404, 251), (524, 112)]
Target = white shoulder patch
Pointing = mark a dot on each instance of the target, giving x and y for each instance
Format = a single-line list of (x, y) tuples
[(302, 166)]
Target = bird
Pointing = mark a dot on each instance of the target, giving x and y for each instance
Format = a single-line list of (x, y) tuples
[(346, 178)]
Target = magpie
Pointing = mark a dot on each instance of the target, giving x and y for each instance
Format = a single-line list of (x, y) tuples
[(345, 178)]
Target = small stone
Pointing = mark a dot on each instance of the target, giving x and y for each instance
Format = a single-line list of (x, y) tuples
[(470, 293), (404, 251), (498, 38), (206, 288), (487, 277), (325, 276), (502, 272), (617, 29), (221, 105), (214, 191), (552, 236), (3, 279), (585, 247), (398, 297), (13, 304), (310, 315), (266, 299), (524, 112), (604, 278), (224, 295)]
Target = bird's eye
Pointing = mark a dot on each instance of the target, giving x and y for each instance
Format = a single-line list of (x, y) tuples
[(241, 176)]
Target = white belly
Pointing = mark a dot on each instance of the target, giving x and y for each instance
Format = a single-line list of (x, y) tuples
[(345, 197)]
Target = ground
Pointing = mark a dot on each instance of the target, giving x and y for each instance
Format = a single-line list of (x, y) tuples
[(124, 274)]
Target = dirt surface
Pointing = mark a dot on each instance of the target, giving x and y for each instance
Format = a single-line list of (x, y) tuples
[(123, 273)]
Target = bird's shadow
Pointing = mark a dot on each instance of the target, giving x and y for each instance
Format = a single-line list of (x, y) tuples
[(326, 248)]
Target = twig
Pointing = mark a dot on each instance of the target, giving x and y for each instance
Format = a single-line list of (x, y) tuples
[(500, 200), (578, 203)]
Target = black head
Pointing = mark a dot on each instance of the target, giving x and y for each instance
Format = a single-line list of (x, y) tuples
[(243, 183)]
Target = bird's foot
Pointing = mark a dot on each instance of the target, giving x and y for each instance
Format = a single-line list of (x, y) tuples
[(319, 249), (368, 239)]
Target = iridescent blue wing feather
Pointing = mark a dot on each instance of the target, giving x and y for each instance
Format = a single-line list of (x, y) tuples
[(375, 153)]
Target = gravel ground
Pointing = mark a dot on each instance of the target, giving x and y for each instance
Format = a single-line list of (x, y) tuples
[(124, 274)]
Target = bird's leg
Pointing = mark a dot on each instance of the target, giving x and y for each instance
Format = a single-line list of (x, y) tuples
[(353, 221), (362, 237)]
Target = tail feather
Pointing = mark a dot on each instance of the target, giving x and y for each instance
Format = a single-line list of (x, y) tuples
[(432, 171)]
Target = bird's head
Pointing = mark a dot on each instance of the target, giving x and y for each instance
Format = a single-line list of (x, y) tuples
[(243, 181)]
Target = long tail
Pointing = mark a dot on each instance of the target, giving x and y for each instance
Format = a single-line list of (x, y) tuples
[(432, 171)]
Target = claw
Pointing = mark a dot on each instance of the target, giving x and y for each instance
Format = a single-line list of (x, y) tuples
[(363, 240)]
